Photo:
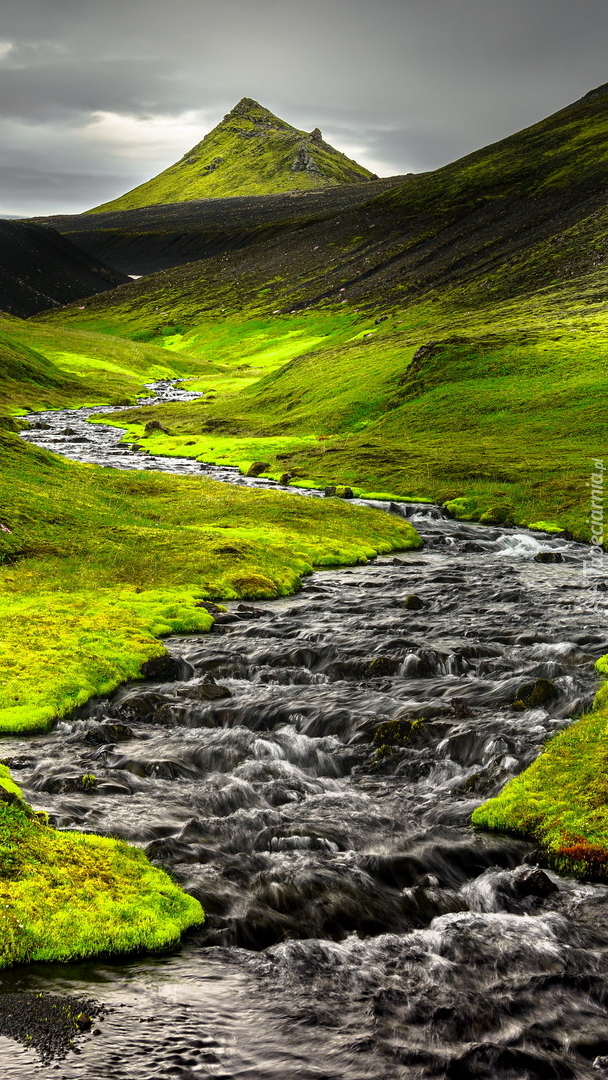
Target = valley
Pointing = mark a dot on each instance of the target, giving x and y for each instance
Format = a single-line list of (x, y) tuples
[(349, 774)]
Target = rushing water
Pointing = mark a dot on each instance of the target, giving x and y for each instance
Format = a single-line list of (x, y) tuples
[(357, 927)]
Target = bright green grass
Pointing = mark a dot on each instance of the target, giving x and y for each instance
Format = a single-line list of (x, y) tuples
[(562, 798), (42, 366), (99, 563), (58, 649), (507, 410), (228, 163), (68, 896)]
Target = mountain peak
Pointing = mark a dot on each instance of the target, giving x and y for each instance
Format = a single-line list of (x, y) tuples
[(250, 152)]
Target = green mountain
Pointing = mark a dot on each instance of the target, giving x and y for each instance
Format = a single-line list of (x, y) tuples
[(430, 332), (251, 152)]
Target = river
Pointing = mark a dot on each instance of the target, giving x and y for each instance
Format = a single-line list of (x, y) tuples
[(357, 926)]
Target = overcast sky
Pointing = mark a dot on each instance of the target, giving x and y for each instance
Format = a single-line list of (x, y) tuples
[(98, 95)]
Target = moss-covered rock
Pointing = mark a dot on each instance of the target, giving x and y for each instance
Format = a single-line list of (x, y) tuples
[(464, 508), (397, 732), (497, 515)]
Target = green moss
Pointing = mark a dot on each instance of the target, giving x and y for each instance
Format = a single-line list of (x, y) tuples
[(562, 798), (67, 896), (7, 782), (546, 526), (465, 508), (497, 515)]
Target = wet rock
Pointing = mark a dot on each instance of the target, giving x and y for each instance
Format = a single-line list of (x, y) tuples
[(257, 468), (460, 709), (108, 733), (68, 431), (137, 706), (209, 606), (548, 557), (253, 612), (533, 882), (535, 694), (208, 690), (396, 732), (339, 492), (161, 669), (65, 785), (413, 602), (285, 479)]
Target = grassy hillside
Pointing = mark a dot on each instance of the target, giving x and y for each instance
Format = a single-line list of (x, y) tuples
[(43, 366), (251, 152), (96, 564), (465, 352)]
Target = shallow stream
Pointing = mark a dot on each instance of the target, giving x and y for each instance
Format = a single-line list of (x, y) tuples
[(357, 926)]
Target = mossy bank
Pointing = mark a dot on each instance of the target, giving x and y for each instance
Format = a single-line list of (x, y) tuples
[(561, 800), (68, 896), (96, 565)]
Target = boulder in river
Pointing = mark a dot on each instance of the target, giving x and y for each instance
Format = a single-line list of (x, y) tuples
[(161, 669), (548, 557), (533, 694), (413, 602)]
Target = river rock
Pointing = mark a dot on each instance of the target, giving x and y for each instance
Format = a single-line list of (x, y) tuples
[(161, 669), (108, 733), (533, 882), (548, 557), (532, 695), (413, 602), (257, 468), (207, 690)]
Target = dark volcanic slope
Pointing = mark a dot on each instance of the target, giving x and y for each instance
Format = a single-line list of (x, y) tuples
[(521, 214), (158, 237), (41, 269)]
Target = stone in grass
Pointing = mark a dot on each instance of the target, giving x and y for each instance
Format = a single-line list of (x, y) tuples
[(285, 479), (257, 468), (413, 602), (155, 425), (497, 515), (339, 492), (548, 557)]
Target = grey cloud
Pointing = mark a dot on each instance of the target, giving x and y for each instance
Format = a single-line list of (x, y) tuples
[(415, 83)]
